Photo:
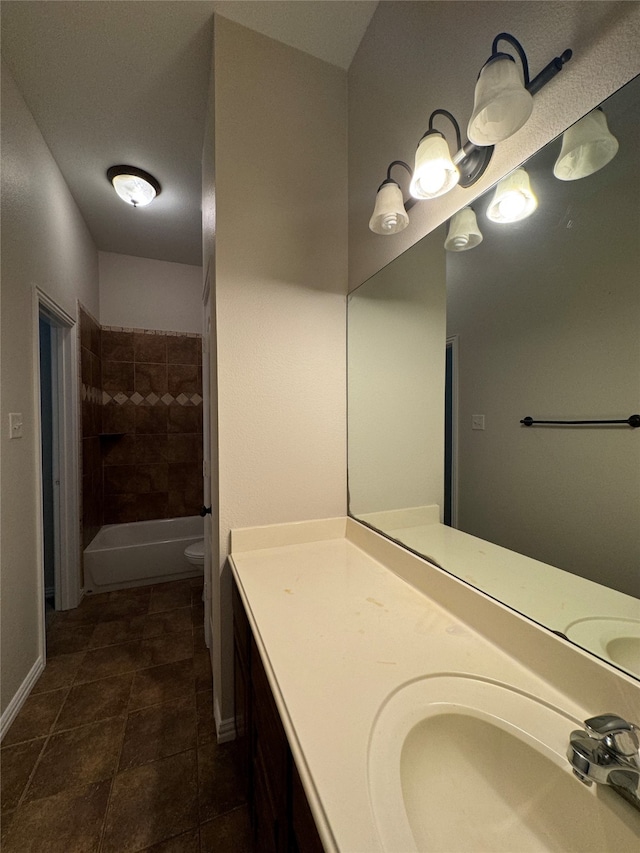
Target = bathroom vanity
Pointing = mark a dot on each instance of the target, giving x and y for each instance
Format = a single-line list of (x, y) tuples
[(397, 708)]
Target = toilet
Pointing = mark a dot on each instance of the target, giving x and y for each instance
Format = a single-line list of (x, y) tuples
[(194, 554)]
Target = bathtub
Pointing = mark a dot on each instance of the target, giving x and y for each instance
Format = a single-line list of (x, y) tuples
[(140, 553)]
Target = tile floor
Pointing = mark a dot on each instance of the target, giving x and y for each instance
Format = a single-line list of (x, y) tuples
[(114, 751)]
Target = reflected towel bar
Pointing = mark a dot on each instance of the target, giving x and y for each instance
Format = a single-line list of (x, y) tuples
[(632, 421)]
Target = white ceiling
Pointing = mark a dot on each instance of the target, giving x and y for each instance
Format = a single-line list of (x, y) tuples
[(126, 82)]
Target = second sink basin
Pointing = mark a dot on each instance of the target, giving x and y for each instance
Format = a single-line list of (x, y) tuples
[(459, 763), (616, 640)]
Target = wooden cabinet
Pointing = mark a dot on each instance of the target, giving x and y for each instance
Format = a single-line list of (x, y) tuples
[(280, 814)]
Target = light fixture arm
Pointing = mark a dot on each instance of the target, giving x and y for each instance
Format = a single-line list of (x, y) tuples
[(453, 121), (548, 72), (408, 204)]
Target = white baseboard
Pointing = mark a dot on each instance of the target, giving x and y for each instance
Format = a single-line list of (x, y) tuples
[(225, 729), (21, 696)]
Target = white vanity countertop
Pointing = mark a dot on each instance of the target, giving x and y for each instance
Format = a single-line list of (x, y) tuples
[(339, 632)]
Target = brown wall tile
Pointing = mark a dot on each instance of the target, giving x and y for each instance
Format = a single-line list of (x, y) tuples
[(151, 505), (152, 478), (183, 475), (184, 448), (151, 377), (151, 448), (119, 479), (121, 509), (150, 420), (184, 379), (117, 346), (150, 348), (117, 376), (117, 418), (119, 451), (184, 419), (183, 350)]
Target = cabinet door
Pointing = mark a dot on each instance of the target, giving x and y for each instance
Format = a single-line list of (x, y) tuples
[(304, 835)]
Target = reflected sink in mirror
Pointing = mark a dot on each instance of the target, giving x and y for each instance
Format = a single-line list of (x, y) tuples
[(457, 764), (617, 640)]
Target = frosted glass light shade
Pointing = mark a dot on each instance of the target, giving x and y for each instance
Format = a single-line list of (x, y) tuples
[(434, 173), (587, 146), (463, 233), (513, 200), (389, 215), (501, 104), (134, 190)]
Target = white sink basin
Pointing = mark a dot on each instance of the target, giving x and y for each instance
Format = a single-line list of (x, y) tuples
[(616, 640), (461, 764)]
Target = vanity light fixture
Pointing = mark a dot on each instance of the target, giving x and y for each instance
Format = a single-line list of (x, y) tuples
[(134, 186), (463, 233), (390, 211), (504, 95), (587, 146), (513, 200)]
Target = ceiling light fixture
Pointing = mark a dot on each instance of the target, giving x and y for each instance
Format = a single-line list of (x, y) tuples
[(463, 233), (390, 212), (504, 95), (134, 186), (513, 200), (587, 146)]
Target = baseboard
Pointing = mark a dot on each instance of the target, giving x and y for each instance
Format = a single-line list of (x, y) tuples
[(21, 696), (225, 729)]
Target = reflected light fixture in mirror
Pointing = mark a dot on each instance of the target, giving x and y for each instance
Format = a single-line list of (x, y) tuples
[(463, 233), (389, 214), (513, 200), (434, 173), (134, 186), (587, 146), (503, 98)]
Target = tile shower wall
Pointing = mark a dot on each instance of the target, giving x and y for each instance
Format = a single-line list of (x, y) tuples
[(151, 424), (91, 403)]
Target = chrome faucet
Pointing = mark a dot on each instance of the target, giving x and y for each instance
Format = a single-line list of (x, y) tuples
[(607, 751)]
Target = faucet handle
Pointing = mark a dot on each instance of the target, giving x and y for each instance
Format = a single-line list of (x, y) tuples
[(618, 735)]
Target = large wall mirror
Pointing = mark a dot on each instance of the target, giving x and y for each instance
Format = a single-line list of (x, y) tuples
[(449, 351)]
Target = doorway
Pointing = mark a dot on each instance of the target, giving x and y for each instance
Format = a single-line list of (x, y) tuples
[(58, 444), (451, 432)]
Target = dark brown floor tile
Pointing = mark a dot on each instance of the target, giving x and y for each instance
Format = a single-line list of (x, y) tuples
[(117, 631), (161, 683), (87, 613), (166, 648), (59, 672), (202, 671), (68, 639), (125, 604), (204, 716), (16, 764), (77, 757), (220, 787), (5, 823), (36, 716), (196, 595), (152, 803), (229, 833), (170, 597), (95, 700), (188, 842), (197, 615), (158, 731), (197, 582), (168, 622), (67, 823), (110, 660)]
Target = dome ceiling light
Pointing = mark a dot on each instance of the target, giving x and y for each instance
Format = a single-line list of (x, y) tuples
[(134, 186)]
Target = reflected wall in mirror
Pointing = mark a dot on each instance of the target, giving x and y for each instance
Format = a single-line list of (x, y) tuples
[(542, 320)]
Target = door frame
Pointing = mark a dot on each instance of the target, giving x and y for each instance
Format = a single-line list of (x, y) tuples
[(64, 358)]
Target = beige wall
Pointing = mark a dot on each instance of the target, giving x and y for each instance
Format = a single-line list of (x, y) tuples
[(45, 242), (142, 293), (418, 57), (396, 338), (281, 264)]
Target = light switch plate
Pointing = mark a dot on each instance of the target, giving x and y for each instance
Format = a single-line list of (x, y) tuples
[(477, 421), (15, 425)]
